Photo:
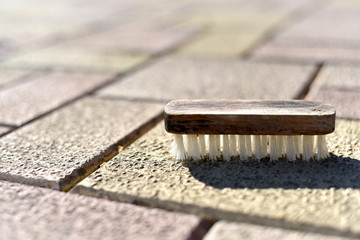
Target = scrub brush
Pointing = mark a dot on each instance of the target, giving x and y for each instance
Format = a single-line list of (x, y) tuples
[(249, 129)]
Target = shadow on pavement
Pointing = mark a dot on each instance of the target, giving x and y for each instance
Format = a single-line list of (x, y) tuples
[(336, 172)]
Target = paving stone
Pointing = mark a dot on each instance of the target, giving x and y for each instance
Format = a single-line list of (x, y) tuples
[(4, 130), (317, 196), (24, 102), (339, 86), (219, 45), (143, 39), (186, 78), (63, 147), (307, 54), (12, 75), (67, 58), (60, 215), (235, 231), (346, 103), (340, 77)]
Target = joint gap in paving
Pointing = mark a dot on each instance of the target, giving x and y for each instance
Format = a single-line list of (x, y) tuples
[(112, 151), (310, 83)]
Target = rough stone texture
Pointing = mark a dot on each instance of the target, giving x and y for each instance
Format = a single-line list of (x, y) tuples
[(26, 101), (72, 58), (186, 78), (143, 39), (63, 147), (312, 196), (4, 130), (339, 86), (11, 75), (236, 231), (35, 213)]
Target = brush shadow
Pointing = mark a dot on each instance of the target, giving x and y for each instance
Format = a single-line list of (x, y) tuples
[(336, 172)]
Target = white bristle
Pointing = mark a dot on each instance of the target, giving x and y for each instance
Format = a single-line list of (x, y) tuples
[(297, 145), (256, 146), (241, 147), (263, 147), (248, 146), (290, 148), (202, 145), (232, 139), (193, 147), (177, 147), (226, 148), (274, 154), (218, 145), (308, 147), (212, 147), (280, 146), (321, 148)]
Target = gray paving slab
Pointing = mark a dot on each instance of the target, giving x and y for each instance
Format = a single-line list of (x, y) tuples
[(36, 213), (65, 146), (193, 78), (309, 196), (40, 94), (141, 38), (224, 230)]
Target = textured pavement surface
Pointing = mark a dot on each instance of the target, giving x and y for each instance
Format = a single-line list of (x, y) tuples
[(82, 89)]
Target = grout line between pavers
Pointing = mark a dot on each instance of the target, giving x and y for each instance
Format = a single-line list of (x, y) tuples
[(111, 152), (293, 18), (201, 230), (311, 82)]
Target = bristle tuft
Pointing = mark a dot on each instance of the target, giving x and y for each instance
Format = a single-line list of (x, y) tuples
[(321, 148), (274, 155), (193, 147), (263, 146), (290, 149), (212, 147), (202, 145), (232, 139), (218, 146), (308, 147), (177, 147), (226, 148), (256, 147)]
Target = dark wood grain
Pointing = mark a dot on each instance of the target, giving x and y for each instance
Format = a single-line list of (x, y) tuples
[(291, 117)]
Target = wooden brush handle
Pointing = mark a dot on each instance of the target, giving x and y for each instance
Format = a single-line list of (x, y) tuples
[(249, 117)]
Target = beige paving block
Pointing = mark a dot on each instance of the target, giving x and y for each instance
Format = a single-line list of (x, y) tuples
[(340, 77), (60, 149), (224, 230), (66, 58), (311, 196), (36, 213), (40, 94), (12, 75), (219, 45), (190, 78)]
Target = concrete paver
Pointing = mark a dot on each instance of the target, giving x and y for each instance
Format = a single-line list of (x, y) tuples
[(339, 86), (63, 147), (67, 58), (35, 213), (4, 130), (236, 231), (24, 102), (146, 39), (12, 75), (190, 78), (320, 196)]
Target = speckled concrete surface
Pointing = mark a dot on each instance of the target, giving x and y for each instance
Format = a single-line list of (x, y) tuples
[(321, 197), (72, 58), (193, 78), (23, 102), (241, 231), (35, 213), (61, 148)]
